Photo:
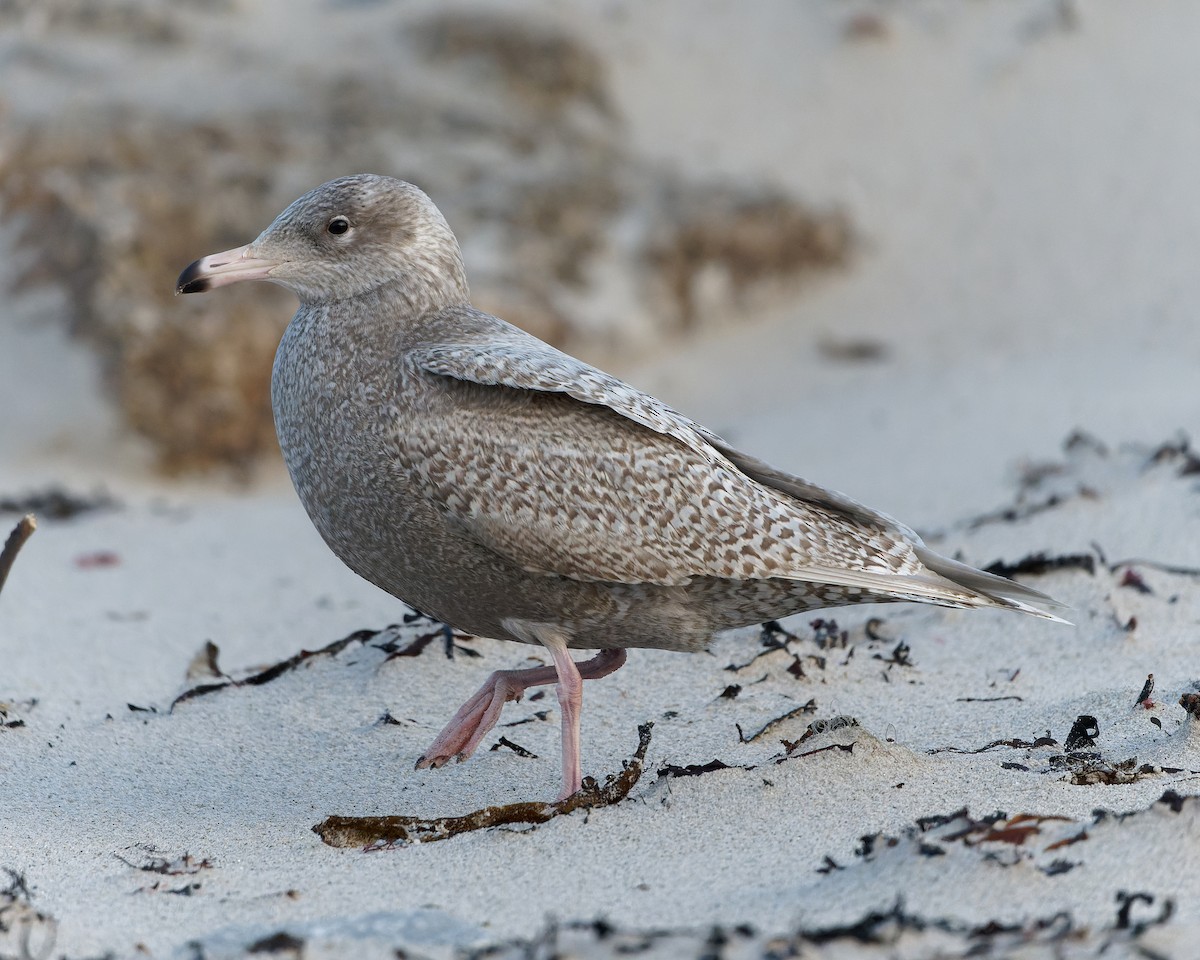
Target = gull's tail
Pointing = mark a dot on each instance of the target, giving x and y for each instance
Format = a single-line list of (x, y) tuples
[(993, 591)]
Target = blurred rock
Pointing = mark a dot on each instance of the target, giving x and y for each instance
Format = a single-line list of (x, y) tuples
[(506, 123)]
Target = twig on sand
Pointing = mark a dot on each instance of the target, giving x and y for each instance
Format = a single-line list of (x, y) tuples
[(380, 832), (12, 546)]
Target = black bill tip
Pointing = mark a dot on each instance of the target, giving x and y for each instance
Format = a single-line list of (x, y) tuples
[(192, 279)]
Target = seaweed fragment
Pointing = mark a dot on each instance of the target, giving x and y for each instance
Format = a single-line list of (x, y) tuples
[(809, 707), (1126, 902), (1143, 698), (8, 715), (899, 657), (516, 748), (374, 833), (1083, 733), (155, 862), (273, 672), (280, 942), (695, 769), (448, 635), (1038, 563), (537, 715), (1132, 579), (1012, 743), (988, 699), (827, 635)]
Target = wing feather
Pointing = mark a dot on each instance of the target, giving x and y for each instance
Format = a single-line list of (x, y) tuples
[(569, 471)]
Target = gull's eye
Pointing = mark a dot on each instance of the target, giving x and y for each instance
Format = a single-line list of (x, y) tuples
[(338, 226)]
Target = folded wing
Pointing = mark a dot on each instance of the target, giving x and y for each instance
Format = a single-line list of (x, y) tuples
[(569, 471)]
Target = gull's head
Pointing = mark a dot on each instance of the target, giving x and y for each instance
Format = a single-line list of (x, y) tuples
[(345, 239)]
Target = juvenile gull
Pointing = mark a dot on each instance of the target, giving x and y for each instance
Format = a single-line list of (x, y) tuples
[(512, 491)]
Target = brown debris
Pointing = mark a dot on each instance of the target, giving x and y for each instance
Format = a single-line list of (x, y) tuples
[(13, 544), (380, 832)]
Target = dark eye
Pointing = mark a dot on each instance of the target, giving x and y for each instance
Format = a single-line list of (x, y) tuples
[(338, 226)]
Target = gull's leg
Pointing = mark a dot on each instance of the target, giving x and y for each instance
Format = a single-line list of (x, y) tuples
[(570, 701), (463, 734)]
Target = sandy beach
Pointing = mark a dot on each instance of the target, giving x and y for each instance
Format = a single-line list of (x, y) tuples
[(1003, 354)]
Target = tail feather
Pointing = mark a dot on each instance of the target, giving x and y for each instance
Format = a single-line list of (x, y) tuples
[(996, 591)]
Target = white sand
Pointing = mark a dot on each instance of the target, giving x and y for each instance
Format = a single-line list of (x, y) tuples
[(1030, 200)]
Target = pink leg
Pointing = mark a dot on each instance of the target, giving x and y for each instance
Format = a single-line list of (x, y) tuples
[(463, 734), (570, 702)]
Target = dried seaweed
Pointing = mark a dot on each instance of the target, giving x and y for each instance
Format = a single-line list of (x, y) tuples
[(1143, 698), (988, 699), (1011, 743), (379, 832), (181, 866), (1132, 579), (281, 942), (274, 671), (695, 769), (516, 748), (1084, 732), (1039, 563), (809, 707)]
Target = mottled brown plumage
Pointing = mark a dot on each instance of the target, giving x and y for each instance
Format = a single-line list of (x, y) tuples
[(515, 492)]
